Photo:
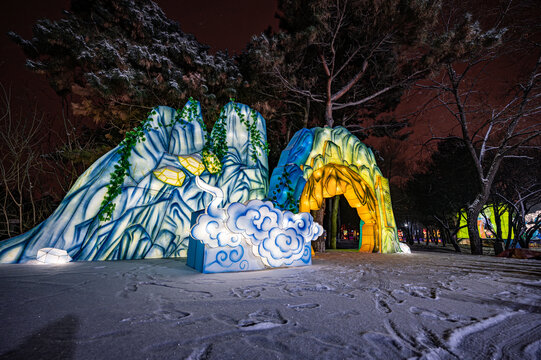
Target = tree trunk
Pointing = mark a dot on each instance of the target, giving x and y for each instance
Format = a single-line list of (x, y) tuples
[(509, 228), (498, 240), (306, 114), (319, 243), (329, 121), (33, 203), (434, 236), (443, 238), (473, 231), (521, 234), (334, 221), (446, 234), (528, 234), (20, 205), (409, 235), (452, 240), (6, 216), (328, 226), (498, 246), (498, 221)]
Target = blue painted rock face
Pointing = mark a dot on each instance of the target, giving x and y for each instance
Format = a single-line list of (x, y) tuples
[(152, 214)]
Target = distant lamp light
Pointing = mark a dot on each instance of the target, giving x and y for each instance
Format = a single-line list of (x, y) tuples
[(406, 224), (53, 256)]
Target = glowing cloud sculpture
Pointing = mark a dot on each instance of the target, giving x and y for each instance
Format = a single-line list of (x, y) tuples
[(250, 236)]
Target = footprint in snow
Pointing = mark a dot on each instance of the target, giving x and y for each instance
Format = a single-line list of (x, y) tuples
[(246, 293), (422, 291), (440, 315), (300, 307), (165, 311), (382, 305), (129, 288), (263, 319)]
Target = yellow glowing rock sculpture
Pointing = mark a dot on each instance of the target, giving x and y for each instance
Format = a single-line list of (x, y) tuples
[(170, 176), (331, 180), (192, 163), (332, 162)]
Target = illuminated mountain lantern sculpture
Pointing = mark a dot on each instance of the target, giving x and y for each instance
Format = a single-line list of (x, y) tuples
[(175, 187), (321, 163), (152, 215)]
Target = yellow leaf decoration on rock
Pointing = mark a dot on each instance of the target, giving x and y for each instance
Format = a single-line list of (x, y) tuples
[(192, 163), (170, 175)]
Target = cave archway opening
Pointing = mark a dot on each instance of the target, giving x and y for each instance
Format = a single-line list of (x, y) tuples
[(331, 181)]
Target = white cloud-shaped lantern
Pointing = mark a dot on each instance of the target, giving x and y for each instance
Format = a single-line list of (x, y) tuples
[(275, 236)]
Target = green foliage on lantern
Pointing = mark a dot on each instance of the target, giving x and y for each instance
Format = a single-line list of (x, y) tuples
[(255, 136), (121, 169), (284, 182), (213, 152)]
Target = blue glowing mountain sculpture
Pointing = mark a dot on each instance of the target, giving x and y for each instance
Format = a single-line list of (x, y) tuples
[(153, 211)]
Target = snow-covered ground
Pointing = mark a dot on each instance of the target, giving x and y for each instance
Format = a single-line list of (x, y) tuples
[(347, 305)]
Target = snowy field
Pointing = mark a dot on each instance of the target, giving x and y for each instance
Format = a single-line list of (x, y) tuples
[(347, 305)]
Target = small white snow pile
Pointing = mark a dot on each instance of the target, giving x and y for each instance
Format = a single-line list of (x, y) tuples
[(405, 248), (53, 256)]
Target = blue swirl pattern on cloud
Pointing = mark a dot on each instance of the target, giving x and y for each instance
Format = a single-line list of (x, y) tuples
[(254, 219), (212, 231)]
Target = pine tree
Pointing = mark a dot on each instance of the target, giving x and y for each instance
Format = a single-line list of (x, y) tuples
[(112, 60)]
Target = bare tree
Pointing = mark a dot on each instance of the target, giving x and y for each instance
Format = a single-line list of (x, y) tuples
[(442, 188), (351, 59), (492, 127), (110, 61), (518, 191), (19, 164)]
